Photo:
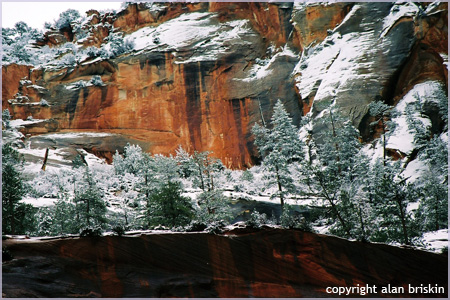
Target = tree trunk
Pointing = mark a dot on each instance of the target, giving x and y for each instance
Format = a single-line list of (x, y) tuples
[(336, 146), (363, 231), (436, 211), (403, 219), (280, 188), (338, 215), (11, 215), (44, 164)]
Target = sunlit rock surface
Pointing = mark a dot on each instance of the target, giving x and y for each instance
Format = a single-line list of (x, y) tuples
[(201, 74)]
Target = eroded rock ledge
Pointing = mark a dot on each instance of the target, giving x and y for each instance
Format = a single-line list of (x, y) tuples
[(246, 263)]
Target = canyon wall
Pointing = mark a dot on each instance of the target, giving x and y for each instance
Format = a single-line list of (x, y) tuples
[(201, 74)]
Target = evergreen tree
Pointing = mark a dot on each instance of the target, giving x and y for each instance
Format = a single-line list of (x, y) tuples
[(186, 165), (433, 208), (334, 175), (279, 147), (6, 118), (389, 195), (213, 207), (382, 114), (168, 207), (66, 18), (90, 207), (17, 218), (132, 161)]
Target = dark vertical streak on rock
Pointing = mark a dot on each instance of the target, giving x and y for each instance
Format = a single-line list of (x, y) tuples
[(193, 105), (236, 103), (72, 106)]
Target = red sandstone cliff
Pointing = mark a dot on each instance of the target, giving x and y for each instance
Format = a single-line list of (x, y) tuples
[(207, 92), (267, 263)]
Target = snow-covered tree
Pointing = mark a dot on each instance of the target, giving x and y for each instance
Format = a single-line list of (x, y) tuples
[(389, 195), (66, 18), (97, 80), (186, 165), (90, 206), (279, 146), (6, 118), (17, 217), (132, 160), (167, 207), (204, 168), (382, 114), (333, 173), (433, 208), (213, 207)]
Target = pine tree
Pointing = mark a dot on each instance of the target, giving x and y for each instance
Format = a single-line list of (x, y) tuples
[(382, 114), (90, 207), (389, 195), (433, 207), (279, 147), (6, 118), (334, 175), (213, 207), (168, 207), (17, 218)]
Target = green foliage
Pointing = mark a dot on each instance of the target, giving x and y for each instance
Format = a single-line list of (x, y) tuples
[(289, 218), (167, 207), (78, 161), (257, 220), (6, 118), (247, 176), (66, 18), (17, 217), (90, 207), (432, 213), (389, 195), (213, 207), (279, 147)]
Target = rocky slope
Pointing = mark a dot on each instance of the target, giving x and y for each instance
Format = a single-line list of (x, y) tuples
[(240, 263), (201, 74)]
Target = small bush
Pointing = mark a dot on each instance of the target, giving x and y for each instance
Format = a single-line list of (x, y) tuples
[(256, 220), (91, 232), (96, 80), (247, 176), (216, 227), (196, 225), (80, 84), (44, 103), (118, 230)]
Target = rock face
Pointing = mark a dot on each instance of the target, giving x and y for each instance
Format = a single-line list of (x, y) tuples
[(267, 263), (201, 74)]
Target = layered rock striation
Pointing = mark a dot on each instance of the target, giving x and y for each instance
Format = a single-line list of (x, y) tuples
[(201, 74), (240, 263)]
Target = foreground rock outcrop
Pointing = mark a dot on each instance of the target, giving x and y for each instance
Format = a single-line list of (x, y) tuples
[(240, 263)]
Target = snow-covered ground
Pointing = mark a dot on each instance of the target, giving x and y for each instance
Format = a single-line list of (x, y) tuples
[(436, 241)]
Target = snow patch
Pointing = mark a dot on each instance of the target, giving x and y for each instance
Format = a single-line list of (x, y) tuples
[(435, 241), (399, 10), (18, 123), (73, 135)]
